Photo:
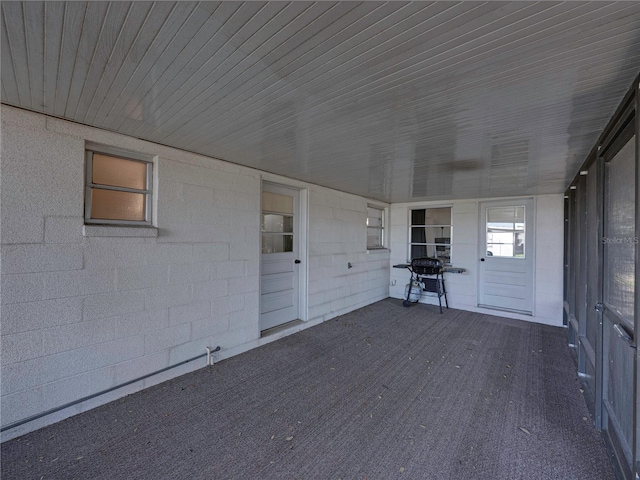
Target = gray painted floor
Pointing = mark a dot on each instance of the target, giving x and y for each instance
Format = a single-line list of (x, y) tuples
[(383, 392)]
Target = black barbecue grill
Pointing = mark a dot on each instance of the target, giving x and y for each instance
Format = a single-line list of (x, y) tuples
[(427, 273)]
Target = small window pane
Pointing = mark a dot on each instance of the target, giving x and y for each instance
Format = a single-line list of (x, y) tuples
[(441, 234), (374, 217), (438, 216), (417, 217), (418, 235), (374, 237), (507, 215), (443, 252), (277, 223), (119, 172), (375, 227), (418, 251), (114, 205), (274, 243), (505, 231), (431, 235), (274, 202)]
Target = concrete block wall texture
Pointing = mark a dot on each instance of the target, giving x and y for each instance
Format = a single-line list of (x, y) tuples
[(335, 241), (85, 309), (462, 289)]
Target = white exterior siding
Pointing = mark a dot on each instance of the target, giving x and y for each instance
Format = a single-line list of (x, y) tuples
[(84, 313)]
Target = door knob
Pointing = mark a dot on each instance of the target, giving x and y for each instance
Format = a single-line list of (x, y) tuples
[(482, 259), (296, 261)]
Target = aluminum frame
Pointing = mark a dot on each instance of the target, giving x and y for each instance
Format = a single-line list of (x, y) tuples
[(90, 186)]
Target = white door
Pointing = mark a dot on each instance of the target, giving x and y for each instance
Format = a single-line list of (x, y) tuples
[(280, 271), (506, 255)]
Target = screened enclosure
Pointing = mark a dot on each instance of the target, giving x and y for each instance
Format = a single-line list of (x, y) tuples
[(601, 274)]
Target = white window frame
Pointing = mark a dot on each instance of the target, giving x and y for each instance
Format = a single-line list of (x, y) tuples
[(383, 239), (432, 244), (89, 186)]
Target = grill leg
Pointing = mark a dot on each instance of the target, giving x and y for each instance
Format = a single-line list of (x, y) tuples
[(444, 292)]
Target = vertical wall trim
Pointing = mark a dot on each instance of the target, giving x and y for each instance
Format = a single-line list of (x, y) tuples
[(303, 245)]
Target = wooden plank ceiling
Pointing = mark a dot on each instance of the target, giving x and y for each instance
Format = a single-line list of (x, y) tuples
[(393, 101)]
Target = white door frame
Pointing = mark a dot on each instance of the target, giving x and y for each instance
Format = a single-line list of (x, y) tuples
[(303, 248), (530, 234)]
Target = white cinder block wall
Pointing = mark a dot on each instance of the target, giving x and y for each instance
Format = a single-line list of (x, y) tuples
[(462, 289), (335, 241), (80, 314)]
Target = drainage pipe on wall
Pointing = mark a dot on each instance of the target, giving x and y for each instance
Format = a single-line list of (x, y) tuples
[(111, 389)]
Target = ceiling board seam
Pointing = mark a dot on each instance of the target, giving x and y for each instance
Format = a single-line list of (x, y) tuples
[(75, 59), (369, 92), (106, 63), (4, 21), (606, 55), (64, 99), (93, 56), (577, 41), (59, 54), (26, 47), (204, 92), (395, 72), (287, 83), (144, 96), (205, 45), (156, 37), (157, 126), (115, 45), (346, 73), (352, 68), (374, 114), (302, 66), (334, 98), (145, 131)]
